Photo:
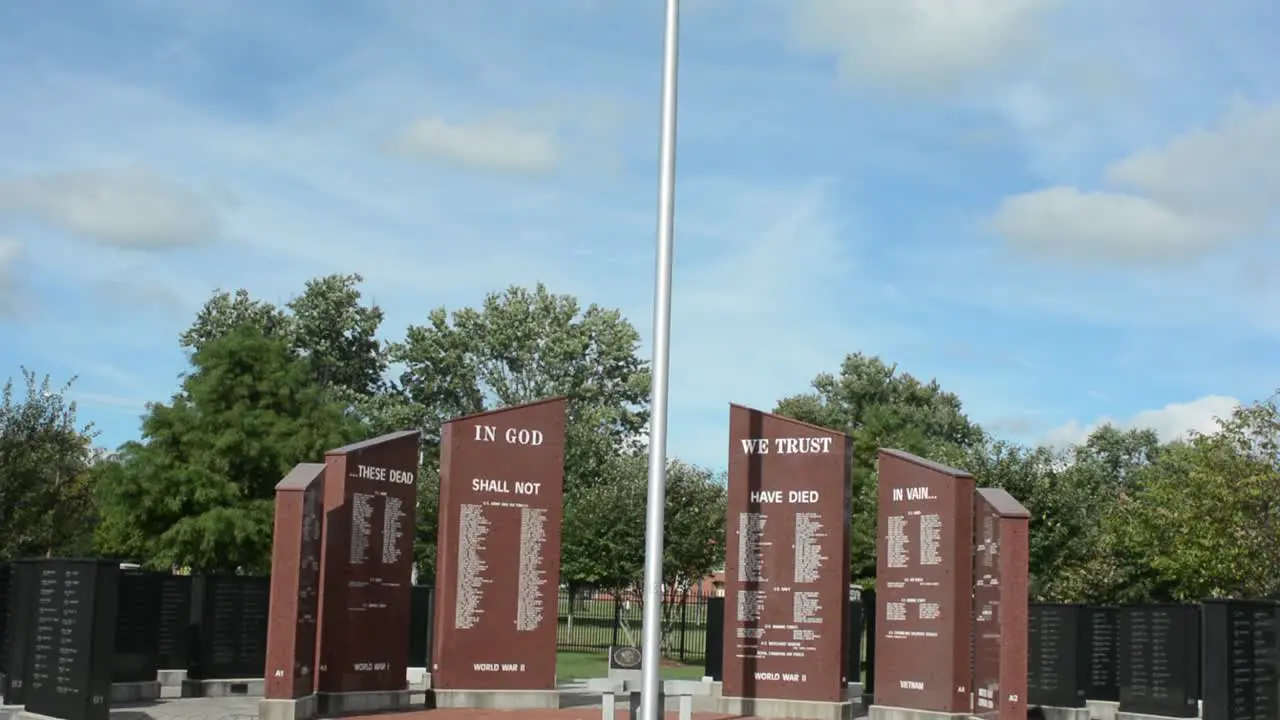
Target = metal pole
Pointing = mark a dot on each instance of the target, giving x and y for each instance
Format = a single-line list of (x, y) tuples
[(651, 644)]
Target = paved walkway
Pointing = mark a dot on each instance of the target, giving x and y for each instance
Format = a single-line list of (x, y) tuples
[(242, 708)]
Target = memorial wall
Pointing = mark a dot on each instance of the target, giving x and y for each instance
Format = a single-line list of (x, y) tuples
[(366, 564), (1241, 660), (787, 559), (1000, 598), (72, 637), (295, 583), (498, 552), (924, 572), (1160, 660)]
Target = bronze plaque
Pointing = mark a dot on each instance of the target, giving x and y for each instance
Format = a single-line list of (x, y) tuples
[(498, 552), (924, 582), (366, 564), (295, 583), (786, 559), (1000, 606)]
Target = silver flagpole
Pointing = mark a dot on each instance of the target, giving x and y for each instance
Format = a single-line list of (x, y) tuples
[(650, 649)]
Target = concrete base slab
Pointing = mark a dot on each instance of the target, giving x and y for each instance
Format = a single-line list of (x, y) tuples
[(303, 708), (171, 677), (775, 708), (356, 703), (135, 692), (1065, 713), (884, 712), (1102, 709), (419, 678), (226, 687), (1144, 716), (498, 699)]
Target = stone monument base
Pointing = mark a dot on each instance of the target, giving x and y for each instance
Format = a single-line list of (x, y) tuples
[(1143, 716), (222, 687), (1102, 709), (303, 708), (797, 709), (356, 703), (884, 712), (498, 699), (134, 692), (1052, 712)]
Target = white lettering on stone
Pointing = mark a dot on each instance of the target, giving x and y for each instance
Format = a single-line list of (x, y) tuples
[(777, 496), (381, 474), (498, 667), (912, 493), (755, 446), (766, 496), (489, 486), (910, 684), (802, 446), (520, 436)]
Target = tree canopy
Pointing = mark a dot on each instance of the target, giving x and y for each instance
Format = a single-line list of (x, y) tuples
[(1119, 517)]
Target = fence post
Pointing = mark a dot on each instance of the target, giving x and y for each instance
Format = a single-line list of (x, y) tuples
[(684, 607), (617, 616)]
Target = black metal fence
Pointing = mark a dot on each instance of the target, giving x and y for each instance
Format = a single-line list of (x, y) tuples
[(591, 621)]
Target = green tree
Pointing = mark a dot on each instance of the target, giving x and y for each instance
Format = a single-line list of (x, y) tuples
[(881, 407), (1206, 518), (328, 324), (198, 490), (519, 346), (603, 536), (45, 456)]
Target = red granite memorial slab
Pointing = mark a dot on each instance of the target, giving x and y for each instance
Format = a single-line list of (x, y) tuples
[(295, 583), (924, 584), (366, 564), (787, 559), (1000, 575), (498, 549)]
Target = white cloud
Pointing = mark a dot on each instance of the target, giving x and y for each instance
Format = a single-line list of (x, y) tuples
[(1067, 223), (1171, 422), (924, 45), (490, 146), (128, 208), (1204, 190)]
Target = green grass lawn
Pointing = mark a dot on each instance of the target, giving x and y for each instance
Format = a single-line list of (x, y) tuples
[(578, 666)]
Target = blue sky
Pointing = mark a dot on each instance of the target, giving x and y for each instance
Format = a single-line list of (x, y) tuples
[(1062, 209)]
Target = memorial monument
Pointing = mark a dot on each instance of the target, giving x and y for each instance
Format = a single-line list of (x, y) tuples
[(1000, 578), (1102, 653), (1159, 661), (498, 558), (786, 568), (72, 628), (1058, 659), (924, 581), (1241, 660), (289, 692), (366, 567)]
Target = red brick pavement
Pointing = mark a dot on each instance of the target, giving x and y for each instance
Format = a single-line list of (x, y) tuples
[(582, 713)]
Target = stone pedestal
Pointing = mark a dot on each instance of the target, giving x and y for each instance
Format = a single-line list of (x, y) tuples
[(363, 703), (498, 699), (303, 708)]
